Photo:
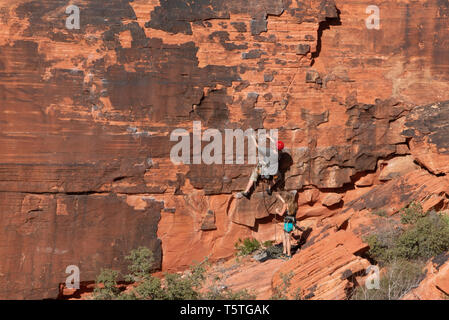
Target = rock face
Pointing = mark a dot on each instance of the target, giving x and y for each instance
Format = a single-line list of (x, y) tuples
[(436, 284), (86, 117), (332, 262), (325, 269), (397, 167), (331, 199), (428, 131), (53, 231)]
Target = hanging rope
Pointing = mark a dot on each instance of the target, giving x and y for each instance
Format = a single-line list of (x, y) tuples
[(266, 209), (263, 195)]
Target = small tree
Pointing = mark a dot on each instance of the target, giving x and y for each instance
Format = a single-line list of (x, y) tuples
[(400, 277), (412, 213), (247, 246), (141, 264), (428, 237), (149, 289), (106, 285)]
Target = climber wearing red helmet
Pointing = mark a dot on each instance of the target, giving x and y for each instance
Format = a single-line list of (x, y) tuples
[(280, 145), (260, 169)]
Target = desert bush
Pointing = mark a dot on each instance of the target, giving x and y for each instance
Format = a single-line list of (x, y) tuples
[(106, 285), (141, 264), (148, 289), (402, 252), (268, 244), (412, 213), (178, 287), (400, 277), (247, 246), (126, 296), (427, 238), (174, 286), (280, 291), (382, 244)]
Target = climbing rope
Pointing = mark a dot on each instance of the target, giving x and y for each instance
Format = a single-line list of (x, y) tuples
[(266, 209)]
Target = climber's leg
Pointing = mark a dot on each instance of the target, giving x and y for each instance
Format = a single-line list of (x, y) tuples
[(248, 186), (252, 179), (284, 242), (289, 244), (269, 190), (274, 183)]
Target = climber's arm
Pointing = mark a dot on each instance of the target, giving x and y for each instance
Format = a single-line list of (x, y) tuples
[(284, 205), (271, 138), (280, 198), (283, 210), (255, 140)]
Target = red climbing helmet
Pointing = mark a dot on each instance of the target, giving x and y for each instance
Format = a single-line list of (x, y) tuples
[(280, 145)]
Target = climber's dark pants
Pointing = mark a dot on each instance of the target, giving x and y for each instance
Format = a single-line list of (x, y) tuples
[(278, 180)]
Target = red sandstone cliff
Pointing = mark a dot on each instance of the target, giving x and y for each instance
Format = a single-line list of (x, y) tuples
[(86, 115)]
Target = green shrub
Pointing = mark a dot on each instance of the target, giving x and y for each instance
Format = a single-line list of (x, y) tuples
[(268, 244), (402, 252), (399, 278), (382, 245), (187, 286), (178, 287), (174, 286), (149, 289), (127, 296), (427, 238), (106, 288), (412, 213), (247, 246), (141, 264)]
